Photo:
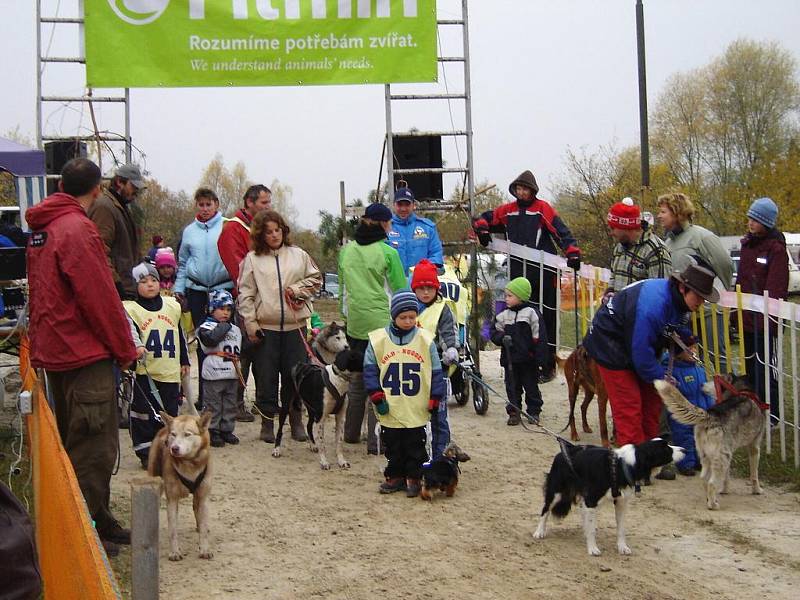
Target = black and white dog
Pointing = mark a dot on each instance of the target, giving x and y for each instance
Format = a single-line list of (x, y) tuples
[(323, 390), (589, 473)]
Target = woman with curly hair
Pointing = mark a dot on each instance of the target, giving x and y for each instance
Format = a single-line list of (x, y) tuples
[(276, 283)]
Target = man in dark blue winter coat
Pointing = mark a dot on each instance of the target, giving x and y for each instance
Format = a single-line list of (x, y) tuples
[(627, 337)]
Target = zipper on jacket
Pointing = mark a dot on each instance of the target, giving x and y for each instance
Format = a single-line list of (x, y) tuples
[(280, 287)]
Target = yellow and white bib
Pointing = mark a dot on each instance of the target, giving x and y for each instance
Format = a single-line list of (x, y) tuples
[(405, 376), (160, 335)]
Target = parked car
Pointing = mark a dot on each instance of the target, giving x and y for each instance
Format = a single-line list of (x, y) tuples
[(330, 286), (792, 250)]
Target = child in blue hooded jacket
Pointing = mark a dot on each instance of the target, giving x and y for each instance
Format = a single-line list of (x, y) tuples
[(690, 378)]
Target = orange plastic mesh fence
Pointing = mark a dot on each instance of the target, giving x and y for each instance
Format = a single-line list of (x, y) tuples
[(72, 561)]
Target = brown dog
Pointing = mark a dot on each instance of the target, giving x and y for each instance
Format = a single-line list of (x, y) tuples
[(442, 473), (581, 373), (180, 456)]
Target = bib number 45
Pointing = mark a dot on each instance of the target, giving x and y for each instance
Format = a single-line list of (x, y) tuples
[(402, 379)]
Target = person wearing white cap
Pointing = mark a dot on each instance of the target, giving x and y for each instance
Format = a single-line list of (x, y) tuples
[(763, 267), (113, 219)]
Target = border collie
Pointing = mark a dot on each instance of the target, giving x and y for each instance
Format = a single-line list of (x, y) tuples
[(589, 473)]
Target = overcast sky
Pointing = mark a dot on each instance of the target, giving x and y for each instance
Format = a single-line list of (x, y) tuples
[(546, 76)]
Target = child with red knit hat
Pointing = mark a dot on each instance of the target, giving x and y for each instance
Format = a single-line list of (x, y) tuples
[(437, 317)]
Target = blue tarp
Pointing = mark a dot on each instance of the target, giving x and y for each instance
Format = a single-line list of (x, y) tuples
[(21, 160)]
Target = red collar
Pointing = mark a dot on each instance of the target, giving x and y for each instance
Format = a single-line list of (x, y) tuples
[(720, 384)]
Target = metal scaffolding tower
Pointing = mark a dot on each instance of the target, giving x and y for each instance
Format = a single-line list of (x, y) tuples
[(467, 170), (109, 137)]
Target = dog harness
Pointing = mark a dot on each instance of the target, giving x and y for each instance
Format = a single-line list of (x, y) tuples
[(339, 398), (613, 460), (721, 385), (188, 483)]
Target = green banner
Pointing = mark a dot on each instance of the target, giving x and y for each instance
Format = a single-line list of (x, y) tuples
[(212, 43)]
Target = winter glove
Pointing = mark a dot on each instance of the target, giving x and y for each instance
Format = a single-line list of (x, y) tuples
[(481, 228), (450, 356), (378, 400), (508, 342), (433, 405), (574, 260)]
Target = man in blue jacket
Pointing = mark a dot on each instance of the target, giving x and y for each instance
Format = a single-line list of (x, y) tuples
[(626, 339), (413, 237)]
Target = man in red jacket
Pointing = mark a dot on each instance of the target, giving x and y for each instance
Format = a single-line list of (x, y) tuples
[(533, 222), (233, 245), (78, 331)]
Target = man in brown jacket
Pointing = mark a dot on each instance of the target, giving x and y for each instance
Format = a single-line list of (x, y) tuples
[(117, 230)]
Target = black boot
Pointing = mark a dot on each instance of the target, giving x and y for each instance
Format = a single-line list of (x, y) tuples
[(296, 423), (267, 433)]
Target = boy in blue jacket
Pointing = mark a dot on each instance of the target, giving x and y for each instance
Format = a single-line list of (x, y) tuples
[(403, 377), (690, 378)]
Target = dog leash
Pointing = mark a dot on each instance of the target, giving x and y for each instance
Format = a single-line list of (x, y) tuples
[(721, 385), (312, 356), (236, 366)]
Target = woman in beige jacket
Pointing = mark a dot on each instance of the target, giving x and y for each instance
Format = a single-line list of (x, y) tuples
[(276, 283)]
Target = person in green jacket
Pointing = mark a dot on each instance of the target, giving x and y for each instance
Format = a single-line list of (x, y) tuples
[(369, 272)]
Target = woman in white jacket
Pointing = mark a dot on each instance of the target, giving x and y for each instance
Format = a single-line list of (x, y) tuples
[(276, 283)]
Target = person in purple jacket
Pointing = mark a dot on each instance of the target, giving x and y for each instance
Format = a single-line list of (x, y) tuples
[(763, 267)]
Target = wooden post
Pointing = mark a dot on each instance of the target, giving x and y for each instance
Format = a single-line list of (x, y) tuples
[(145, 496), (343, 206)]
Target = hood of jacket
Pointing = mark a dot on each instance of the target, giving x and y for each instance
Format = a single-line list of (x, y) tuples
[(772, 235), (53, 207), (369, 234), (527, 179)]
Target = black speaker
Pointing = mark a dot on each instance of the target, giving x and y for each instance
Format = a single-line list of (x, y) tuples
[(56, 155), (419, 152)]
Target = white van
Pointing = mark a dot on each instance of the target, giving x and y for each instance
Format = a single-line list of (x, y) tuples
[(732, 244)]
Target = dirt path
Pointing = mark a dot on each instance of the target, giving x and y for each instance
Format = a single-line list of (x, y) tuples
[(282, 528)]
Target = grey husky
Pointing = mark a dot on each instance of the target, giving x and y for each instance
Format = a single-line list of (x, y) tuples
[(329, 342), (736, 422)]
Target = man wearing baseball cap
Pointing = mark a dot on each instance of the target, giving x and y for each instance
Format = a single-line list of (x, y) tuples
[(639, 253), (113, 219), (413, 237)]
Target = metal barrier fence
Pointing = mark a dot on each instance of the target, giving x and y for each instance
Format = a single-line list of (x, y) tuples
[(720, 351), (72, 561)]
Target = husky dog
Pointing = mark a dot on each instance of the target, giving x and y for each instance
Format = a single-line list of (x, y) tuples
[(180, 456), (329, 342), (590, 473), (736, 422)]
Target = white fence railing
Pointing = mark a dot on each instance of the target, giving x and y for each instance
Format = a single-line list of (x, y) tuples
[(722, 353)]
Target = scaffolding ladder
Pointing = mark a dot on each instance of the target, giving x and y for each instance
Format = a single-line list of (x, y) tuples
[(44, 97), (440, 205)]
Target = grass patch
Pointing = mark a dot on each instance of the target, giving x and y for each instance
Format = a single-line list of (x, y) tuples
[(772, 469), (22, 487)]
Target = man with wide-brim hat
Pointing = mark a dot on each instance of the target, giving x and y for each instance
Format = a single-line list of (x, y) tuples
[(627, 338)]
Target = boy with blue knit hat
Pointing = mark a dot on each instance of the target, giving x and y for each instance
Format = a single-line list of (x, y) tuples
[(763, 267), (403, 378), (518, 330), (221, 342)]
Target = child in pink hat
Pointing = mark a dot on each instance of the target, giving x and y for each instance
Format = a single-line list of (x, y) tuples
[(167, 269)]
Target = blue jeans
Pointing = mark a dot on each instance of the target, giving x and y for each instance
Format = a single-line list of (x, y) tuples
[(440, 428)]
